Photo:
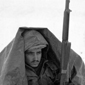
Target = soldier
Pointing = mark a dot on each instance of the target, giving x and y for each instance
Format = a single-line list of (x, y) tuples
[(33, 58), (39, 69)]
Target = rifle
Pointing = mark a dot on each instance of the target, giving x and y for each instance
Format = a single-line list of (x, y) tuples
[(65, 47)]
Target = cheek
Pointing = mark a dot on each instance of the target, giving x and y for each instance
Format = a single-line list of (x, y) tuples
[(29, 58), (39, 57)]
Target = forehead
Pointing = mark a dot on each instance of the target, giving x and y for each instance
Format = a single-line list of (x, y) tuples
[(34, 50)]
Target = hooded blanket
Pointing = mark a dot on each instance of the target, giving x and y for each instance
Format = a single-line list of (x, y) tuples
[(12, 61)]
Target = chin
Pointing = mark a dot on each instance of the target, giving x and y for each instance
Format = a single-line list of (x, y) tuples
[(34, 65)]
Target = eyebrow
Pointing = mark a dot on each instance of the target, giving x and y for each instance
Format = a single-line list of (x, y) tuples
[(29, 52), (39, 52)]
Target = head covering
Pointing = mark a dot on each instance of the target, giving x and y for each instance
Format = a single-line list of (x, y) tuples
[(12, 65), (34, 40)]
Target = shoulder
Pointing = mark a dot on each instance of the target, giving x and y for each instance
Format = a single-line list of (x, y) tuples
[(51, 65), (51, 70)]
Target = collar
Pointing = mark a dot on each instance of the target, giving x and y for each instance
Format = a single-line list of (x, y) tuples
[(31, 71)]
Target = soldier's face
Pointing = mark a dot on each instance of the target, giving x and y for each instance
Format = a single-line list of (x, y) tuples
[(33, 57)]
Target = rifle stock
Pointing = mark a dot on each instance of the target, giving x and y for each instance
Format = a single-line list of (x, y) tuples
[(65, 48)]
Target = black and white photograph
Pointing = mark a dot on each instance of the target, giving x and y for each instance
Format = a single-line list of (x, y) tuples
[(42, 42)]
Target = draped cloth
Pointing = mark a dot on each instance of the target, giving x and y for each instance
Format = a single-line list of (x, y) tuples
[(12, 61)]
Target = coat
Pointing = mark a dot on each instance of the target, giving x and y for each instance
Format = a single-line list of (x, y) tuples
[(12, 65), (48, 75)]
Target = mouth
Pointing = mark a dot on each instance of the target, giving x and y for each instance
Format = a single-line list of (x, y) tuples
[(35, 63)]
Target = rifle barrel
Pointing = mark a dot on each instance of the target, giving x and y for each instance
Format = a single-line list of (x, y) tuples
[(66, 22), (65, 48)]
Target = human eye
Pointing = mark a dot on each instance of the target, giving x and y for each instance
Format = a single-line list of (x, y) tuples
[(30, 53), (39, 52)]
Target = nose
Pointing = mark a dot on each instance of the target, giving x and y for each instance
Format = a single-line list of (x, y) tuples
[(35, 57)]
